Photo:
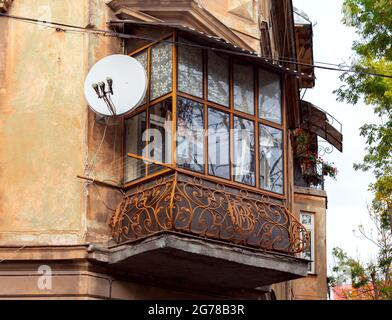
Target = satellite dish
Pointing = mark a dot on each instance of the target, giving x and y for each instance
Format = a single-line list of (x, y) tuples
[(115, 85)]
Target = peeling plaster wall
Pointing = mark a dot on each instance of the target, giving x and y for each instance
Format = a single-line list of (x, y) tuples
[(44, 121)]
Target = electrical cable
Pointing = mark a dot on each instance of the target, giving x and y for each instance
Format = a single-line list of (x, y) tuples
[(59, 26), (90, 166)]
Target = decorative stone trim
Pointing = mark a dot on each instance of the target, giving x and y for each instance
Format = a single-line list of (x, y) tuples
[(4, 5), (185, 12)]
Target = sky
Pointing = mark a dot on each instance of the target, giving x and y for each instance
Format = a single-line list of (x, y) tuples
[(348, 196)]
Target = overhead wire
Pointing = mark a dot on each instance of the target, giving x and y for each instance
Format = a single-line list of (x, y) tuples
[(107, 33)]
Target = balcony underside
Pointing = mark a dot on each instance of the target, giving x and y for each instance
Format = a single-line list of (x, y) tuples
[(201, 263)]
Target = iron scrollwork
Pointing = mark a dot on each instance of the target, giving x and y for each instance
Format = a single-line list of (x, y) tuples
[(209, 210)]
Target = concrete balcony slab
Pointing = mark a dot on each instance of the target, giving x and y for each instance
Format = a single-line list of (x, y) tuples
[(196, 262)]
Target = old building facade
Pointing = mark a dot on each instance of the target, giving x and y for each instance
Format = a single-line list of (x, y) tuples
[(81, 204)]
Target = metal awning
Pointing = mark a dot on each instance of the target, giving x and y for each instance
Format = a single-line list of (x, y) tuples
[(322, 123), (216, 44)]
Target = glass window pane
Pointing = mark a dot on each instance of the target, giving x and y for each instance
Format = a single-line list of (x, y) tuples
[(218, 78), (161, 70), (218, 143), (244, 151), (308, 221), (190, 135), (190, 69), (135, 128), (271, 159), (244, 88), (160, 135), (142, 57), (270, 97)]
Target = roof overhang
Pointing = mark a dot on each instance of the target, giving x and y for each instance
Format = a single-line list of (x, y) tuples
[(304, 44), (322, 123), (211, 42)]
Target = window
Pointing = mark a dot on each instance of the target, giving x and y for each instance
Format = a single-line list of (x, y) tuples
[(218, 143), (190, 69), (243, 88), (150, 142), (271, 159), (307, 220), (270, 97), (135, 128), (228, 118), (143, 59), (161, 70), (218, 79), (159, 135), (244, 151), (190, 135)]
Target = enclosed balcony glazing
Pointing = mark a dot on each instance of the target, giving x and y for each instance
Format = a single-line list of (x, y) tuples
[(227, 118), (206, 151)]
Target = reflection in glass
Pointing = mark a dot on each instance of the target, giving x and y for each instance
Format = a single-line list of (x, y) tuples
[(159, 133), (190, 69), (134, 143), (143, 59), (244, 151), (190, 135), (271, 159), (270, 97), (218, 78), (218, 143), (161, 70), (244, 88)]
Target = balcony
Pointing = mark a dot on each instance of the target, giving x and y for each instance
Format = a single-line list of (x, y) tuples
[(319, 134), (194, 231), (205, 183)]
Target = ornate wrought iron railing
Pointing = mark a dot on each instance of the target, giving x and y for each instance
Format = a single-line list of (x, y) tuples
[(178, 202)]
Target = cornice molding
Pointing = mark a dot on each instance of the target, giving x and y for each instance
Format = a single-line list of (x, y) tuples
[(4, 5), (185, 12), (33, 253)]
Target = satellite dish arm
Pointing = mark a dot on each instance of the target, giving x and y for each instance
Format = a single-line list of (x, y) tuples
[(100, 89), (110, 104)]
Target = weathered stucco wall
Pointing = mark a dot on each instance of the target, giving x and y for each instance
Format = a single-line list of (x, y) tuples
[(315, 285), (242, 16), (44, 120)]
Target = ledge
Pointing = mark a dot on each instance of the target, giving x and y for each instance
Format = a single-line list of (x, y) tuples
[(310, 192), (37, 253)]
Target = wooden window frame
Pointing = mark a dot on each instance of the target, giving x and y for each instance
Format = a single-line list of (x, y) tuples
[(209, 104)]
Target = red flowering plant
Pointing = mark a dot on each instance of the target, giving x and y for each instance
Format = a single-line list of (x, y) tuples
[(313, 167), (329, 170)]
